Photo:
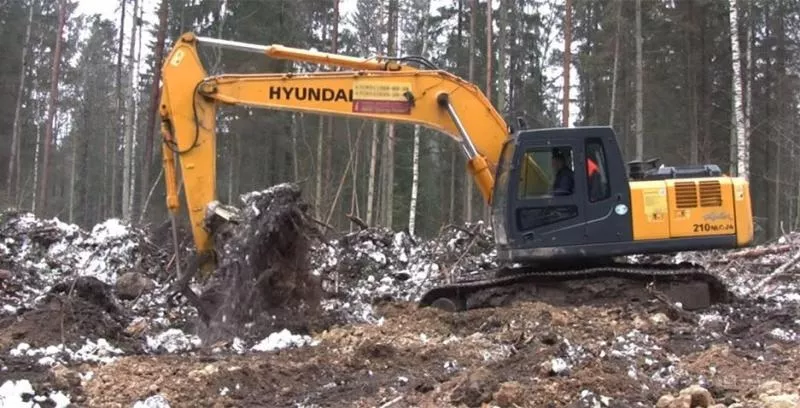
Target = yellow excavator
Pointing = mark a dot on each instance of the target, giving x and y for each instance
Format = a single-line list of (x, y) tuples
[(565, 206)]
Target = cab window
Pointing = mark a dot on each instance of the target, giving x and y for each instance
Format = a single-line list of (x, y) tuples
[(546, 171), (597, 171)]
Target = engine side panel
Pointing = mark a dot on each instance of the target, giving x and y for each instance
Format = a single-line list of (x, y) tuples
[(691, 208)]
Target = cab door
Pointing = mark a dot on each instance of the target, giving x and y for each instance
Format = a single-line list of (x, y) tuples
[(540, 216), (607, 193)]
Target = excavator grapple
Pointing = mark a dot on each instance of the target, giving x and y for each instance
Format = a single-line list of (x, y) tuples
[(565, 207)]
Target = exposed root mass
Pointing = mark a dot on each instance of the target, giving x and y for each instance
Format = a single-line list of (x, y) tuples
[(263, 260)]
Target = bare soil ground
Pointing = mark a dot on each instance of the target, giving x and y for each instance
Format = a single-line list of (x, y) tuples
[(526, 355)]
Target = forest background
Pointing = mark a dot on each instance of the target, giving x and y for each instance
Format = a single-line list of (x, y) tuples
[(688, 81)]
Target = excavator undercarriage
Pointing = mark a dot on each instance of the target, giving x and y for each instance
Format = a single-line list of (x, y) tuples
[(684, 285)]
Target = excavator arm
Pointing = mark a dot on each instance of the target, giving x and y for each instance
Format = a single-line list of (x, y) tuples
[(382, 89)]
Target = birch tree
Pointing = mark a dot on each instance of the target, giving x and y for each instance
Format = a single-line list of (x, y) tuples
[(741, 145), (129, 121), (473, 8), (387, 203), (422, 39)]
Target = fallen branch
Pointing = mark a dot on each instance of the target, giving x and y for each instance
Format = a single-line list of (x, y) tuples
[(674, 312), (459, 228), (323, 224), (472, 241), (757, 252), (392, 402), (358, 221), (779, 271)]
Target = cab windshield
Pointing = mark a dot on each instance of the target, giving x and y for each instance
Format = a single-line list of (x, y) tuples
[(500, 195)]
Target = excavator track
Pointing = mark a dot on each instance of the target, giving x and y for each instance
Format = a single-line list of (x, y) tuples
[(689, 285)]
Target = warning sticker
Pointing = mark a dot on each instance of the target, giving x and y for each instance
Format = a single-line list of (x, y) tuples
[(655, 205), (177, 58), (396, 107), (380, 91)]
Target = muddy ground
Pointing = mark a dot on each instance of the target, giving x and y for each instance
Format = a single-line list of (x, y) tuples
[(530, 355), (82, 343)]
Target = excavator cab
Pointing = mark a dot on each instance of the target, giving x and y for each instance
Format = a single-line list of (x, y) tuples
[(548, 205), (603, 213)]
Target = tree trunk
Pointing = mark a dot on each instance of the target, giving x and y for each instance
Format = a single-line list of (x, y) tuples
[(295, 159), (639, 80), (567, 62), (119, 111), (71, 208), (373, 158), (615, 69), (742, 145), (152, 119), (706, 51), (412, 208), (136, 115), (691, 79), (329, 150), (12, 164), (489, 57), (52, 107), (781, 102), (38, 115), (129, 122), (320, 142), (749, 73), (354, 192), (502, 43), (473, 8), (388, 202)]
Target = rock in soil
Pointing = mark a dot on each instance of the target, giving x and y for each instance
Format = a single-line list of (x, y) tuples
[(700, 397), (509, 394), (131, 285)]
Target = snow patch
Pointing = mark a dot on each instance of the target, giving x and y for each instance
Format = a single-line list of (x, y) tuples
[(172, 341), (283, 339), (20, 394)]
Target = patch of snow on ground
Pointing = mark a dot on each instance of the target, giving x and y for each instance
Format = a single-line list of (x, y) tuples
[(171, 341), (96, 352), (20, 394), (155, 401), (283, 339)]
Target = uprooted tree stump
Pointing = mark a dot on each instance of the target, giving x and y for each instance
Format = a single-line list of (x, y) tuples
[(263, 261)]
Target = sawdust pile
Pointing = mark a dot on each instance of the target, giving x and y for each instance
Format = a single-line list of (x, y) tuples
[(263, 259)]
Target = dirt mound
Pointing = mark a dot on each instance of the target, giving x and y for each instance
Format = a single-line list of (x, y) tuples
[(36, 254), (72, 312)]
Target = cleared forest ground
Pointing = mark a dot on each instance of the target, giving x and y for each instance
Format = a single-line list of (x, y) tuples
[(88, 320)]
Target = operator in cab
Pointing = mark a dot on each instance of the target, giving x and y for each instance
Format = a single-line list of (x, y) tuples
[(564, 180)]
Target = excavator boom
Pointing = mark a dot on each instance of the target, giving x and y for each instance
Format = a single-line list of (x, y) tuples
[(381, 89)]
